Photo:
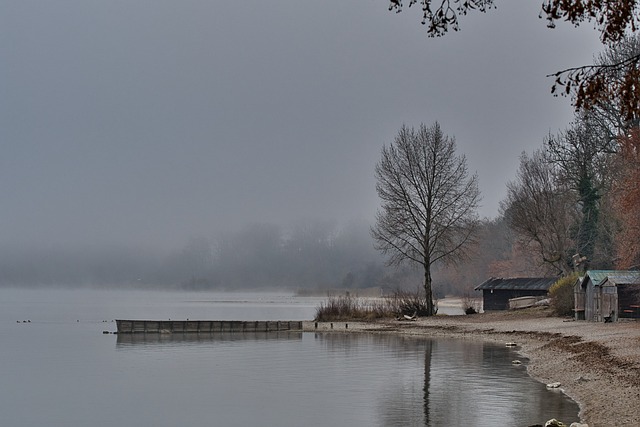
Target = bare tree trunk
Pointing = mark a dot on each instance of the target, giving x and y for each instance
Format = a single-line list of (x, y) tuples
[(428, 294)]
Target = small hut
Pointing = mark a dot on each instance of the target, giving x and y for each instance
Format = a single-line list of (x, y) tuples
[(607, 295), (497, 291)]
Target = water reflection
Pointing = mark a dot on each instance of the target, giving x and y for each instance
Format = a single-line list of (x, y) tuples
[(462, 382), (427, 379), (127, 341)]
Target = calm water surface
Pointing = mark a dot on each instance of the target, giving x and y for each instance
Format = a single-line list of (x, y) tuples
[(60, 370)]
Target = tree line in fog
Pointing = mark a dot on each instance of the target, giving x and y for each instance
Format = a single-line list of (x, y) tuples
[(307, 256), (313, 256)]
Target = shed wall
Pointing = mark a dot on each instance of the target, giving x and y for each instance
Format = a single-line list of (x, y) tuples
[(629, 301), (590, 301), (579, 302)]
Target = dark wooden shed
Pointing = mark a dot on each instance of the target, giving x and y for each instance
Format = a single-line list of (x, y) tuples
[(497, 291)]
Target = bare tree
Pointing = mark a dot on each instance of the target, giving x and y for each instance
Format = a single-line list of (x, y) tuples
[(541, 211), (583, 155), (429, 202)]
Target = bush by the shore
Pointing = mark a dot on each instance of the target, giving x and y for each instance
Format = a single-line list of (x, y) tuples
[(561, 294), (470, 305)]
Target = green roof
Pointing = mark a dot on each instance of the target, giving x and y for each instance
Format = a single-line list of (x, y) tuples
[(617, 276)]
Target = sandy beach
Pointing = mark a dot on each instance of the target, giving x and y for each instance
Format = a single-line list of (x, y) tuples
[(597, 364)]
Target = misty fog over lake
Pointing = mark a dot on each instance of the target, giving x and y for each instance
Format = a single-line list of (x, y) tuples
[(140, 138)]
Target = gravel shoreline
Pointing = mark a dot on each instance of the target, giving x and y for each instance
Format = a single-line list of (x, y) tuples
[(597, 364)]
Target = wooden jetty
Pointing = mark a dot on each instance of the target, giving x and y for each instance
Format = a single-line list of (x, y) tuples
[(204, 326)]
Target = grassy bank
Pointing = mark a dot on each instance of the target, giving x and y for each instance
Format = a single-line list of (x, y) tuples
[(347, 308)]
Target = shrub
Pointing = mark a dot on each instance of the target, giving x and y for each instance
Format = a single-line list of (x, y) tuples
[(410, 303), (340, 308), (561, 293), (469, 304)]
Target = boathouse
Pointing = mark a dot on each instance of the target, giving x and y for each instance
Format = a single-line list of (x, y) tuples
[(497, 291), (607, 295)]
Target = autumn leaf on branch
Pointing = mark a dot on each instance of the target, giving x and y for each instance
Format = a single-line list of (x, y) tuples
[(598, 84), (593, 85), (441, 16), (588, 85)]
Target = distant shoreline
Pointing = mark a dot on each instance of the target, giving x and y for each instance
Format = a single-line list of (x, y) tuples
[(597, 364)]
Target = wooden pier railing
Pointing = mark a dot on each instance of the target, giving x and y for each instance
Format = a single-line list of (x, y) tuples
[(204, 326)]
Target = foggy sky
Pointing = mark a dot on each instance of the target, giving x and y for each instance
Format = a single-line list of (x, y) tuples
[(148, 122)]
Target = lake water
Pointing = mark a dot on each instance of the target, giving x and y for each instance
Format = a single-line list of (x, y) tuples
[(60, 370)]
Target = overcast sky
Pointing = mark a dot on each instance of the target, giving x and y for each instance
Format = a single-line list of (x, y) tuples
[(149, 122)]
